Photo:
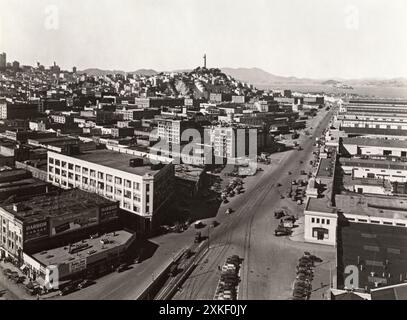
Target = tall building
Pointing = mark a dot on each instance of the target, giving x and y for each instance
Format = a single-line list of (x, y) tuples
[(171, 130), (140, 187), (3, 61), (18, 110)]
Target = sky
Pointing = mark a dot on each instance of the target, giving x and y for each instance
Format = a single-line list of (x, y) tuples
[(303, 38)]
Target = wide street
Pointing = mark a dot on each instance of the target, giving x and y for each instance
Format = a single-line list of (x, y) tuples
[(268, 268), (269, 261)]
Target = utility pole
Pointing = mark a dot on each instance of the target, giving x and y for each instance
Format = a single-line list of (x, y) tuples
[(204, 57)]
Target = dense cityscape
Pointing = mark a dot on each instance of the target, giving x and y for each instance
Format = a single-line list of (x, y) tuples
[(194, 159), (96, 185)]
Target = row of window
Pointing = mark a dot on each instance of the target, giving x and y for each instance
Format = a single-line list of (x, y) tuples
[(92, 173), (322, 221), (388, 223), (377, 126)]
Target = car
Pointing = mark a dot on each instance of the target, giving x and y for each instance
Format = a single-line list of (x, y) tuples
[(123, 267), (229, 211), (198, 237), (282, 231), (67, 290), (279, 214), (199, 225), (85, 283)]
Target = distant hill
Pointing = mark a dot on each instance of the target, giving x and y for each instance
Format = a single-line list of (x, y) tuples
[(260, 77), (99, 72)]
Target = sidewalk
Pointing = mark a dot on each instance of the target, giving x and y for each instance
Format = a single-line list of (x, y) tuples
[(17, 290)]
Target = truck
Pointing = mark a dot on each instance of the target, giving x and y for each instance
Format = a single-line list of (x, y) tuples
[(282, 231), (198, 237)]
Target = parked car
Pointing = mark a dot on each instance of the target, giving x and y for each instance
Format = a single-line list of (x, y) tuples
[(199, 225), (282, 231), (67, 290), (85, 283), (198, 237), (279, 214), (123, 267)]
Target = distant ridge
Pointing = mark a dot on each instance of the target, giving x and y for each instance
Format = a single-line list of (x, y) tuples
[(259, 77), (100, 72)]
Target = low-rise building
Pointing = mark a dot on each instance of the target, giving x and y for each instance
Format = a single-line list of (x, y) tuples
[(358, 146), (376, 169)]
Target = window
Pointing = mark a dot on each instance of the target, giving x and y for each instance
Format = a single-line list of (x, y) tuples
[(323, 221), (70, 166), (85, 171), (77, 169), (118, 191), (400, 224), (92, 173), (388, 223), (362, 220), (51, 160), (63, 164), (127, 194), (317, 220), (328, 221), (137, 198), (375, 221), (100, 175), (109, 189), (127, 183), (118, 180), (57, 163), (51, 169), (109, 178), (63, 173), (136, 185)]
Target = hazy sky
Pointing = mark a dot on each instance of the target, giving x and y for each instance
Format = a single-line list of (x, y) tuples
[(305, 38)]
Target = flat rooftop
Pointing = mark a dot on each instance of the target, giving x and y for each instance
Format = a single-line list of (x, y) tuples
[(372, 142), (372, 163), (52, 205), (391, 207), (320, 205), (118, 161), (94, 246), (349, 181), (325, 168), (380, 249), (375, 131), (188, 172)]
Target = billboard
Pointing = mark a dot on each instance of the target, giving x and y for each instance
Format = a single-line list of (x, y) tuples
[(36, 230), (77, 265), (74, 221), (108, 213)]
